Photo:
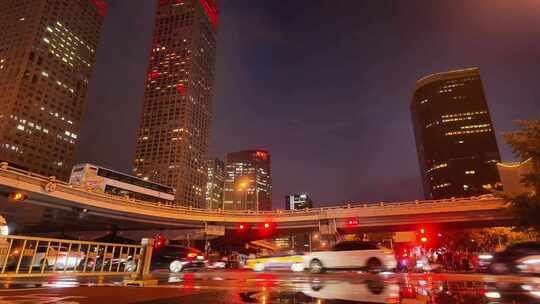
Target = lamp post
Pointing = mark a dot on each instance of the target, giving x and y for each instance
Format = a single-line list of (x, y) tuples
[(244, 188)]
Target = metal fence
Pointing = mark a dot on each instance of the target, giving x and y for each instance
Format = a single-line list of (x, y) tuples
[(33, 256)]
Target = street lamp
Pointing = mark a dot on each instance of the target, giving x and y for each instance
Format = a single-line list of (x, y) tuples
[(244, 188)]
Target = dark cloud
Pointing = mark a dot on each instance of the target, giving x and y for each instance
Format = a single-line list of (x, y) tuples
[(324, 85)]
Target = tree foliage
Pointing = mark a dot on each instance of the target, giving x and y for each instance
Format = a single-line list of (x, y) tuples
[(525, 144)]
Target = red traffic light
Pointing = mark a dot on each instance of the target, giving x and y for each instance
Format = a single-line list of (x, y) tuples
[(268, 226), (352, 222), (160, 241), (243, 227)]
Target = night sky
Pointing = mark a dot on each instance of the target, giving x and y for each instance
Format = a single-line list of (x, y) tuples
[(324, 86)]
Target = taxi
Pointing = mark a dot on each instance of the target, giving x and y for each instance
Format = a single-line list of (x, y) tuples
[(283, 260)]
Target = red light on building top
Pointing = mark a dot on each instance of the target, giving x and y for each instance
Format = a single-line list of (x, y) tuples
[(101, 6), (210, 9), (262, 155)]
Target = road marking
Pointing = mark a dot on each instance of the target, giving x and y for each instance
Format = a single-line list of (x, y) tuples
[(40, 299)]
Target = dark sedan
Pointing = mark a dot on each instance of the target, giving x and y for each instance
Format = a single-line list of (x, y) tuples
[(177, 258), (517, 258)]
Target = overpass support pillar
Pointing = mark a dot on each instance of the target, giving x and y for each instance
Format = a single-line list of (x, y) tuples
[(327, 227), (4, 230), (144, 278)]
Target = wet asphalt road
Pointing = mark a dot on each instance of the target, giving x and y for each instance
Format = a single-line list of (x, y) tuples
[(239, 286)]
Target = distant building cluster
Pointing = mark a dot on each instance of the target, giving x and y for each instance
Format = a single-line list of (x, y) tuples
[(298, 202), (215, 184)]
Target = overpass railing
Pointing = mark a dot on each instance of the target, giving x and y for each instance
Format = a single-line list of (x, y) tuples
[(191, 210), (22, 256)]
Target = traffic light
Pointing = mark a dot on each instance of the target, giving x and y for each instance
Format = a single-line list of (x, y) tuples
[(17, 196), (242, 227), (266, 228), (160, 241), (352, 222)]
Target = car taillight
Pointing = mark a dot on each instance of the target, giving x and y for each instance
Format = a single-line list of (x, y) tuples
[(191, 255)]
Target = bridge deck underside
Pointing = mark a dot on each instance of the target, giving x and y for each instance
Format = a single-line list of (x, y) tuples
[(44, 214)]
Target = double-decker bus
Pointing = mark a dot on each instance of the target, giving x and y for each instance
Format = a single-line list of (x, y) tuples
[(113, 182)]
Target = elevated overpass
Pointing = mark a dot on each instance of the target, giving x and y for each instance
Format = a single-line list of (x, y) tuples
[(54, 206)]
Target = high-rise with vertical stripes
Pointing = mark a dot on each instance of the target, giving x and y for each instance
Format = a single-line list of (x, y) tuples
[(47, 53), (175, 123)]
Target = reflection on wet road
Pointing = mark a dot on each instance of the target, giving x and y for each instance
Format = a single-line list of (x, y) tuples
[(280, 287)]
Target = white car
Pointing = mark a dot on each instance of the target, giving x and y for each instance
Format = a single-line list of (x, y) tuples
[(351, 255), (365, 292)]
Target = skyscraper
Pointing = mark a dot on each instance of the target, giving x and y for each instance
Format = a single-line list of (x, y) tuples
[(176, 118), (248, 183), (214, 184), (456, 144), (298, 201), (47, 53)]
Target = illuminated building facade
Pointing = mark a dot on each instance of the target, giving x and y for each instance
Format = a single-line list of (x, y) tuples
[(248, 183), (47, 53), (298, 201), (214, 184), (456, 144), (176, 118)]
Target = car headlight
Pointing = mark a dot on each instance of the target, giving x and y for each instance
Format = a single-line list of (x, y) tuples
[(493, 295), (531, 261), (258, 267), (297, 267), (485, 257)]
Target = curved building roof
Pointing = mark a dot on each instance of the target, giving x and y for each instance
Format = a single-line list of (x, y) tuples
[(446, 75)]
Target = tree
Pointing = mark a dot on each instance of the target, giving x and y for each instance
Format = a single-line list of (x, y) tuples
[(526, 145)]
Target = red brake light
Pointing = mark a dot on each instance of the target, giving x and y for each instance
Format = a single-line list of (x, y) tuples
[(192, 255)]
